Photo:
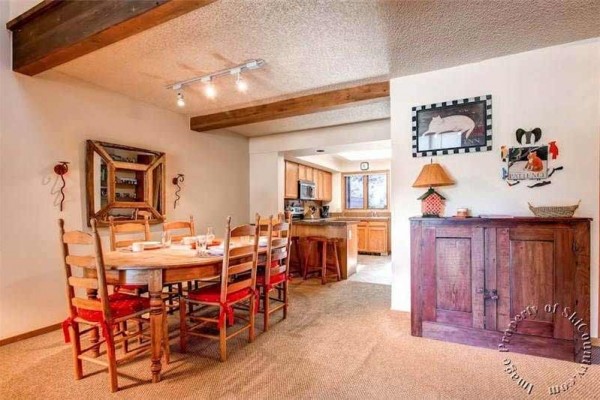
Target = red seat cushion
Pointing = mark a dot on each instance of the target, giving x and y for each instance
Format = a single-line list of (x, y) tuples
[(131, 287), (212, 294), (121, 305), (275, 279)]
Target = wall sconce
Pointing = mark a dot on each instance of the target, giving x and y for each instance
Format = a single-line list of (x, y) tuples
[(61, 169), (177, 181)]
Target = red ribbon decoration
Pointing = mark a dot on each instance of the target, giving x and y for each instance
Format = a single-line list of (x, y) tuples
[(226, 311)]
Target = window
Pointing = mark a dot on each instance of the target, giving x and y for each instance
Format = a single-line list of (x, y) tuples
[(366, 191)]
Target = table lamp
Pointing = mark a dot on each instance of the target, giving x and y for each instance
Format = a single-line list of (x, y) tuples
[(432, 175)]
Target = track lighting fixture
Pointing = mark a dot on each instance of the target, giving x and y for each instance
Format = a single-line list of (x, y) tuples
[(209, 88), (180, 100), (240, 83)]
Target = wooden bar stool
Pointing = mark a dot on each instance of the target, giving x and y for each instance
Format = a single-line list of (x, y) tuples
[(297, 262), (322, 245)]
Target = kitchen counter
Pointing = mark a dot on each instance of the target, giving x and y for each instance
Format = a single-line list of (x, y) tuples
[(325, 221), (344, 230)]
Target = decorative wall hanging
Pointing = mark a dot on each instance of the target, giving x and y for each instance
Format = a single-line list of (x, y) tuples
[(61, 169), (452, 127), (529, 162), (124, 182), (177, 181), (532, 136)]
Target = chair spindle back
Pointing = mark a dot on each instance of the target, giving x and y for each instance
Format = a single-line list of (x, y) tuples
[(91, 267), (239, 260), (128, 228)]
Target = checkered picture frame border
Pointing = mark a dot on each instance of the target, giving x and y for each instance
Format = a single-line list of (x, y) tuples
[(456, 150)]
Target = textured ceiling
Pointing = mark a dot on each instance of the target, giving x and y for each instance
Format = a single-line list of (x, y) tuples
[(312, 46)]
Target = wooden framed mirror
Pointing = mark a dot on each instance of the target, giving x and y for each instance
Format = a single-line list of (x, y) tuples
[(124, 182)]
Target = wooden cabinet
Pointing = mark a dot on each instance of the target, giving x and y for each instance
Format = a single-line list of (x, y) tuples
[(377, 241), (291, 180), (295, 172), (373, 237), (318, 179), (327, 186), (305, 172), (470, 277)]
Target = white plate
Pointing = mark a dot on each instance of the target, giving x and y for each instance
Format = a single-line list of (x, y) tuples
[(215, 251)]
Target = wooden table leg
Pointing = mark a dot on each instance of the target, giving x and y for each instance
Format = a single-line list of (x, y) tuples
[(156, 321)]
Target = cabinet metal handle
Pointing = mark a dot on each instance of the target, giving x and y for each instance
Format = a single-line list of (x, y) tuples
[(488, 294)]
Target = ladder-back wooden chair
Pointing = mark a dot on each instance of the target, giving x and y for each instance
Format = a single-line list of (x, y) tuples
[(183, 229), (141, 228), (99, 311), (274, 269), (236, 287)]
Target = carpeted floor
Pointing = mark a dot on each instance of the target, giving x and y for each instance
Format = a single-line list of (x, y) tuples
[(340, 341)]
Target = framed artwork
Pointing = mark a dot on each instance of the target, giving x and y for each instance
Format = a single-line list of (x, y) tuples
[(527, 163), (452, 127)]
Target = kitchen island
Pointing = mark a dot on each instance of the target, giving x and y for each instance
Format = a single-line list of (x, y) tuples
[(342, 229)]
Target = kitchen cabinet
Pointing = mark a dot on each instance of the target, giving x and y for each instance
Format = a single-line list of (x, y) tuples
[(305, 173), (318, 179), (295, 172), (469, 278), (327, 186), (291, 180), (377, 237), (362, 237), (373, 237)]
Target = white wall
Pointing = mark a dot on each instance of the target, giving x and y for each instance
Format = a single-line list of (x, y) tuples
[(556, 89), (266, 157), (48, 118)]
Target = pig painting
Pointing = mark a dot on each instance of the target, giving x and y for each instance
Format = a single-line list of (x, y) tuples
[(452, 123)]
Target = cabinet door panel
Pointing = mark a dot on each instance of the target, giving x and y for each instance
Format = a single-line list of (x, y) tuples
[(362, 237), (532, 261), (452, 272), (291, 180), (453, 280), (377, 239), (302, 172), (535, 267)]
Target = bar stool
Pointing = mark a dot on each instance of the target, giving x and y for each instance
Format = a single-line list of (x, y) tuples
[(322, 245), (297, 262)]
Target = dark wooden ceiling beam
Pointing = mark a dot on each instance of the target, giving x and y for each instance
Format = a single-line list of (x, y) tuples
[(292, 107), (57, 31)]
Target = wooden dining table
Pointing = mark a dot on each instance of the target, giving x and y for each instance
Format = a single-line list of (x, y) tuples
[(156, 268)]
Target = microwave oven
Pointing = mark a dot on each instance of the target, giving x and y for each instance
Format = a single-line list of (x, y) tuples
[(307, 190)]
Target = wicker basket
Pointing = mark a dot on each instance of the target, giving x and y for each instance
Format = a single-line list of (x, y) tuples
[(554, 212)]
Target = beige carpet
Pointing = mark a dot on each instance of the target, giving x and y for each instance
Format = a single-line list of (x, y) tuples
[(340, 341)]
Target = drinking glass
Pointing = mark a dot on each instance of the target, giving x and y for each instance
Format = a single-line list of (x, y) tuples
[(210, 235), (201, 247), (166, 239)]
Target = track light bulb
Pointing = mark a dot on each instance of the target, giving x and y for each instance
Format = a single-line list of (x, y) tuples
[(210, 90), (180, 100), (241, 84)]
